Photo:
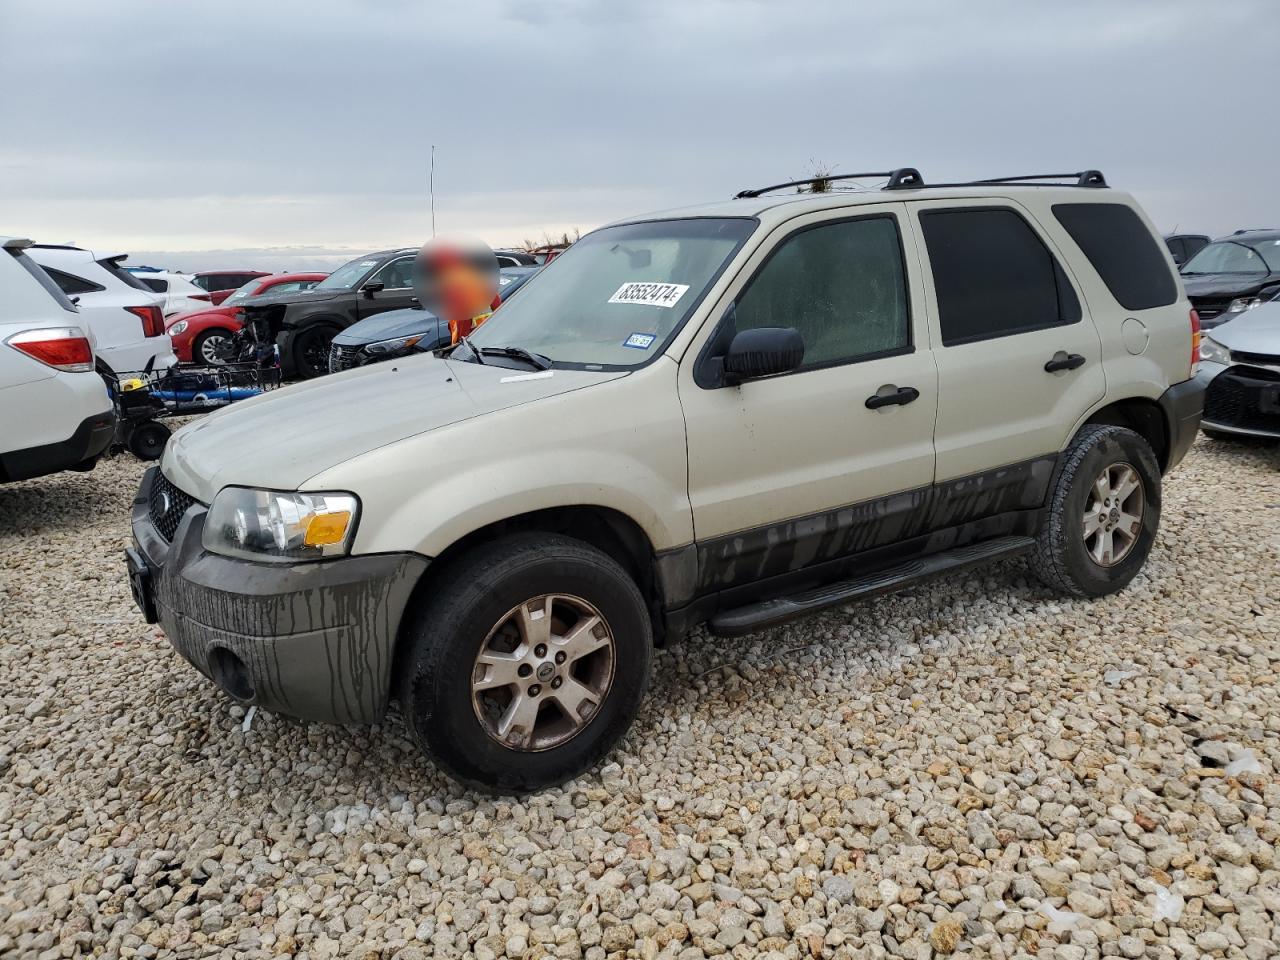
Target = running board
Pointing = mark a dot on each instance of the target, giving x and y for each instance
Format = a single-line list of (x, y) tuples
[(770, 613)]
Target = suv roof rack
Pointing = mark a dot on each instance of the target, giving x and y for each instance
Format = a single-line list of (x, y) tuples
[(900, 179), (909, 178)]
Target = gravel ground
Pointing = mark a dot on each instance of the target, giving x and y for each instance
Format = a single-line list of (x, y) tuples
[(972, 767)]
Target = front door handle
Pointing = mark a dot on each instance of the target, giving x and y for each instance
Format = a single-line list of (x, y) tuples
[(899, 396), (1064, 361)]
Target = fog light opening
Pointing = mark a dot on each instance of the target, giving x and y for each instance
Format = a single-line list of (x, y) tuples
[(230, 673)]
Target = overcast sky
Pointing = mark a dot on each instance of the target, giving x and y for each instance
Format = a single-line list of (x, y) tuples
[(285, 133)]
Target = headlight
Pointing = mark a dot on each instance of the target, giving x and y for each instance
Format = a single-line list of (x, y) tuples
[(1241, 304), (177, 328), (274, 526), (394, 346), (1211, 349)]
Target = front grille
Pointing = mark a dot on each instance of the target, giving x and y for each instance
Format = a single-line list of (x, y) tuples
[(166, 506), (1208, 308), (342, 358), (1246, 398)]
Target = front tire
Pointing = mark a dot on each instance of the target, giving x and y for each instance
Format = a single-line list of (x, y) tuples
[(308, 351), (1104, 511), (210, 347), (526, 663)]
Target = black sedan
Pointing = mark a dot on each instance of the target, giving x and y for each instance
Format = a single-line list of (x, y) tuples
[(1231, 275)]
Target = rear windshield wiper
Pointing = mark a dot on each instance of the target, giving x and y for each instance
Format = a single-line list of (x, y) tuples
[(536, 360)]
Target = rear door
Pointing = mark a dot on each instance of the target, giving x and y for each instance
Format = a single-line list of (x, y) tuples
[(795, 470), (1018, 358), (396, 277)]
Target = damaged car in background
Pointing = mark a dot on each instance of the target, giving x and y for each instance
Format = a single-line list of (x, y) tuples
[(1240, 368)]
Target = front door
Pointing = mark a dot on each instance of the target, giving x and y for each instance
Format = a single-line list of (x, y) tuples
[(836, 456), (396, 278)]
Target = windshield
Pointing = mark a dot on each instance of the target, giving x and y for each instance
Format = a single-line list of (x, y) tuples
[(244, 291), (1236, 256), (616, 297), (347, 275)]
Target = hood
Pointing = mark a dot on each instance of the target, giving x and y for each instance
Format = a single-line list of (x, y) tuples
[(281, 439), (291, 296), (1254, 331), (1226, 284), (198, 314), (386, 326)]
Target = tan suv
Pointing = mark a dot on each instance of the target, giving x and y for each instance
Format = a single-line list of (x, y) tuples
[(734, 414)]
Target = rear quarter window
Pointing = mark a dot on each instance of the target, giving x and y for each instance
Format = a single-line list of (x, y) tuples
[(1122, 250)]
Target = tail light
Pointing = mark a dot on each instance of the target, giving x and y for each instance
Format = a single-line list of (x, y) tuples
[(152, 320), (63, 348), (1195, 343)]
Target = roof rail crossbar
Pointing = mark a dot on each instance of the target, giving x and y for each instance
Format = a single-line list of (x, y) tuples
[(1082, 178), (897, 180)]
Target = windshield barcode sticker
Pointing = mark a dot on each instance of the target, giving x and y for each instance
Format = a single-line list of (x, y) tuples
[(650, 294)]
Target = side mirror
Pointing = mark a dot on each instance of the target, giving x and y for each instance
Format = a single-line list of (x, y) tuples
[(372, 287), (762, 352)]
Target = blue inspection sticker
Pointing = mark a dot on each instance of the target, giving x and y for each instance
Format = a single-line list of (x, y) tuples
[(641, 341)]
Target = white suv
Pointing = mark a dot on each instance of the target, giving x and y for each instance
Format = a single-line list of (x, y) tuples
[(125, 317), (177, 293), (732, 414), (55, 413)]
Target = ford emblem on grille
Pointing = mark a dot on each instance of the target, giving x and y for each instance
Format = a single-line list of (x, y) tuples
[(164, 503)]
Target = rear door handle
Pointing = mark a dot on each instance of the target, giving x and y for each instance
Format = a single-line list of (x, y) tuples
[(900, 396), (1064, 361)]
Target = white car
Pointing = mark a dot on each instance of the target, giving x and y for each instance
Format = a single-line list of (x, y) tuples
[(56, 411), (177, 293), (125, 317)]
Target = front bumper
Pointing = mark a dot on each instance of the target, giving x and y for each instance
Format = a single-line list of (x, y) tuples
[(1182, 405), (313, 640), (1241, 399)]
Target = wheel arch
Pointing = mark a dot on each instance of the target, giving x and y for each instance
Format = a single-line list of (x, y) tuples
[(1144, 417), (609, 530)]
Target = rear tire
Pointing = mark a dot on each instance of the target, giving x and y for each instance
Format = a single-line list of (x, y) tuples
[(471, 679), (1104, 511)]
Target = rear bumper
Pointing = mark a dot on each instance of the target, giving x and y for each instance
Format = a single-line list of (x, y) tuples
[(312, 640), (1182, 404), (90, 438), (132, 357)]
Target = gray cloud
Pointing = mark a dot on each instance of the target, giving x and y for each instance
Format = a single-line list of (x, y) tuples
[(250, 129)]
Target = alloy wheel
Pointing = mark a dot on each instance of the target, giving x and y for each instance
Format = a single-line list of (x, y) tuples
[(543, 672), (212, 346), (1113, 514)]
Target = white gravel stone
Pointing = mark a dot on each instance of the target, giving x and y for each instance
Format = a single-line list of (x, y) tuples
[(974, 765)]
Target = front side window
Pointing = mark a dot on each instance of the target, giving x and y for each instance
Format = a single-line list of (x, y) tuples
[(993, 276), (1235, 256), (616, 297), (347, 275), (841, 285), (396, 275)]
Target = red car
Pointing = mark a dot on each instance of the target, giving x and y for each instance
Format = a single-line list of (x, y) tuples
[(222, 283), (198, 334)]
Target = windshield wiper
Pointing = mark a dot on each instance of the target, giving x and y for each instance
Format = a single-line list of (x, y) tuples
[(474, 352), (519, 353)]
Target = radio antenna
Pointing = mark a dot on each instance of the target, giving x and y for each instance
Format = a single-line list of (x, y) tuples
[(431, 181)]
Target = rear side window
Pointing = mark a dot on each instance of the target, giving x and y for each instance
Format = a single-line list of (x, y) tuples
[(1122, 250), (993, 275), (43, 279), (70, 284), (841, 285), (155, 284)]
